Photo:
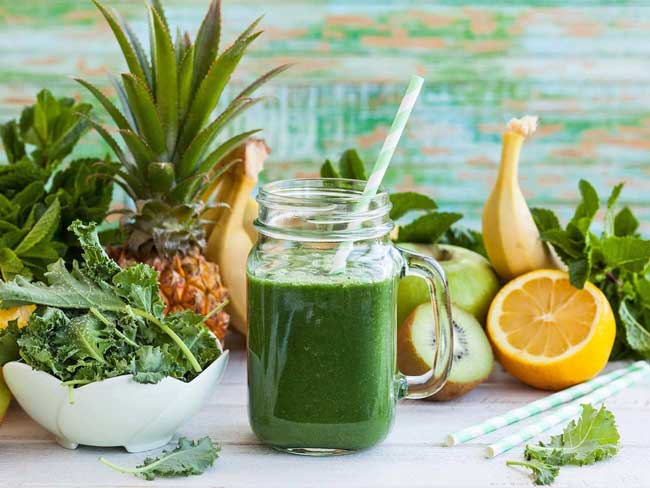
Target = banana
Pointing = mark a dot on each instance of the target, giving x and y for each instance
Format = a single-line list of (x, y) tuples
[(510, 235), (250, 214), (230, 239)]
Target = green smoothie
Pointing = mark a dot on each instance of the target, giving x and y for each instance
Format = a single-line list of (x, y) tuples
[(322, 358)]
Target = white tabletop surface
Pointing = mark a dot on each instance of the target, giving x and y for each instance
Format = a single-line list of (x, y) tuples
[(412, 456)]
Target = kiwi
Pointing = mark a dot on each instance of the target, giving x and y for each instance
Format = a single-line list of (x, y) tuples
[(473, 358)]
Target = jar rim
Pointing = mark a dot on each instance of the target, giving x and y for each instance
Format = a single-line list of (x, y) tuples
[(322, 209), (350, 190)]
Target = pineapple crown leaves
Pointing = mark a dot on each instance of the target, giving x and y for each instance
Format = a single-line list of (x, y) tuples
[(168, 97)]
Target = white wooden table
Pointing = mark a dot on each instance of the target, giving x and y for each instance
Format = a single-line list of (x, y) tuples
[(412, 456)]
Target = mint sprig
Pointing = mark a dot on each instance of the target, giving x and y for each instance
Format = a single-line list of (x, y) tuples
[(429, 225), (42, 191), (616, 260)]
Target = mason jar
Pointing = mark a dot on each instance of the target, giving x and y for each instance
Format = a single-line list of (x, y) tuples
[(322, 329)]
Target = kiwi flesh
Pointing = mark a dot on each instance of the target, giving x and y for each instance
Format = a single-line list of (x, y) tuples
[(473, 359)]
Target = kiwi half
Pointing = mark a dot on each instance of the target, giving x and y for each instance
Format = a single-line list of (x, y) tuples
[(473, 359)]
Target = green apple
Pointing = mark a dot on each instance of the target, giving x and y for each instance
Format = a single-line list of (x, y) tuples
[(5, 397), (472, 281)]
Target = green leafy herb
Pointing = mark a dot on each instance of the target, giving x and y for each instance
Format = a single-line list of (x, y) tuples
[(98, 321), (458, 235), (188, 458), (616, 260), (428, 226), (409, 201), (41, 193), (543, 474), (589, 439)]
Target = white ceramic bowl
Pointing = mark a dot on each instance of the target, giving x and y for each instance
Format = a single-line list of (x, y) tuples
[(113, 412)]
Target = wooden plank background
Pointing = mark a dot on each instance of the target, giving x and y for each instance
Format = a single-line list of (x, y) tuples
[(584, 69)]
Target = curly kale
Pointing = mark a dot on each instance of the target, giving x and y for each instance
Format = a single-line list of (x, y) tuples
[(99, 321)]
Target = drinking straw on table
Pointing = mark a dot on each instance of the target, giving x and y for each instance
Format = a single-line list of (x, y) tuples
[(383, 160), (566, 413), (539, 406)]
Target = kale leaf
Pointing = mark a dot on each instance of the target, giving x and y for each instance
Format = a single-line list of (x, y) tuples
[(98, 321), (590, 438), (188, 458), (543, 474)]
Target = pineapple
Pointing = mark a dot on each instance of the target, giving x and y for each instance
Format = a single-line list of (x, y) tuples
[(168, 160)]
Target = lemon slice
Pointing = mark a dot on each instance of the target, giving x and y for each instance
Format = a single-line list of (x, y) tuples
[(549, 334), (21, 313)]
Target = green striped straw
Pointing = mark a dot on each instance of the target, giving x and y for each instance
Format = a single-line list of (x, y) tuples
[(383, 160), (539, 406), (565, 413)]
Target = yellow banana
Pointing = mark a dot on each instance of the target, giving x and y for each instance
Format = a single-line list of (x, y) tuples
[(511, 237), (229, 241), (250, 214)]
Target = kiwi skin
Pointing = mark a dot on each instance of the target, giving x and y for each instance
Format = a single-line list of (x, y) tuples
[(410, 361)]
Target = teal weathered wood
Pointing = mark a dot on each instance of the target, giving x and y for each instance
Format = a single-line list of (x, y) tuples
[(584, 69)]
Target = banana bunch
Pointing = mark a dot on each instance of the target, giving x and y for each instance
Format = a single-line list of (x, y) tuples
[(231, 234), (510, 235)]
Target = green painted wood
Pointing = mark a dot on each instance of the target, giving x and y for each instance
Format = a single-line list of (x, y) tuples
[(584, 69)]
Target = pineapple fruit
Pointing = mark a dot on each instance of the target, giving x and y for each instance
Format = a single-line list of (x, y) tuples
[(168, 159)]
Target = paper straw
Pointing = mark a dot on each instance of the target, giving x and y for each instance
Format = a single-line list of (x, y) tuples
[(385, 155), (539, 406), (565, 413)]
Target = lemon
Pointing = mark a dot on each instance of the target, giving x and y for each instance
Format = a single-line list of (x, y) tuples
[(21, 313), (549, 334)]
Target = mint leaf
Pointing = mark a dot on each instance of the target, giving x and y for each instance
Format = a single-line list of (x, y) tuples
[(609, 215), (591, 438), (188, 458), (579, 270), (409, 201), (14, 148), (428, 228), (629, 253), (328, 170), (587, 208), (545, 219), (43, 229), (351, 166), (11, 265), (566, 247), (636, 335), (625, 223), (542, 473), (457, 235)]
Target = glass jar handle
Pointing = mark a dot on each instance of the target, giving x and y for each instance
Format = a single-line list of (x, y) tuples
[(433, 380)]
